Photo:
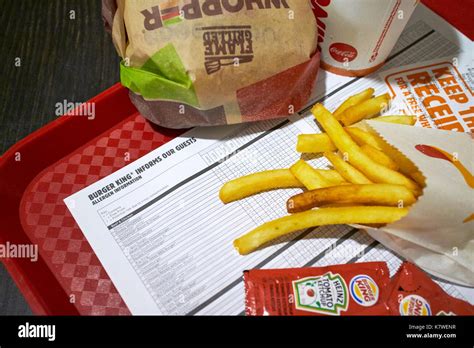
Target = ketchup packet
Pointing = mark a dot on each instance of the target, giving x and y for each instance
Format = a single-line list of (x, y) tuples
[(412, 292), (351, 289)]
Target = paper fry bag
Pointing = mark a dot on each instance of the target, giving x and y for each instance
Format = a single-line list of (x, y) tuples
[(212, 62), (438, 232)]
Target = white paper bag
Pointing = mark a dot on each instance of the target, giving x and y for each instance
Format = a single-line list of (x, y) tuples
[(438, 232)]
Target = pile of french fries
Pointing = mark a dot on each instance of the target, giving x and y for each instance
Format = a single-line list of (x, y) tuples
[(372, 183)]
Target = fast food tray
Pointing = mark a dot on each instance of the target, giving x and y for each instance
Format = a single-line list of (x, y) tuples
[(63, 157)]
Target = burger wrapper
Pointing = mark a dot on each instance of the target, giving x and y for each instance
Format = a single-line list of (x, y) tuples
[(438, 232), (213, 62)]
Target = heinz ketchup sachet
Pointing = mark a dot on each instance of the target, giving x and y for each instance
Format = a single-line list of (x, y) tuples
[(414, 293), (351, 289)]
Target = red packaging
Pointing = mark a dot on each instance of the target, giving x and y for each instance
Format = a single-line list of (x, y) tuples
[(412, 292), (351, 289)]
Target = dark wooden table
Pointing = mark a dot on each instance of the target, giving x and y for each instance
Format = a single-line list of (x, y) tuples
[(64, 54)]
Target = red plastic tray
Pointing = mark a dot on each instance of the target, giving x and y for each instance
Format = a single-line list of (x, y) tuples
[(64, 157), (56, 161)]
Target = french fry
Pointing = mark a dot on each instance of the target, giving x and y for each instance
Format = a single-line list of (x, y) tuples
[(361, 137), (379, 157), (347, 171), (366, 109), (372, 170), (332, 175), (259, 182), (314, 143), (307, 175), (338, 205), (371, 194), (405, 166), (354, 100), (312, 218), (406, 120)]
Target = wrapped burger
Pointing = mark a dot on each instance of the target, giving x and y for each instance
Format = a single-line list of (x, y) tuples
[(213, 62)]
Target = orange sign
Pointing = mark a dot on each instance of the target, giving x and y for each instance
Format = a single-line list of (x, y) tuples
[(437, 94)]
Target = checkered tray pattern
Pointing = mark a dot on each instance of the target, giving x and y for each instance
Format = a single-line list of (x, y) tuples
[(50, 225)]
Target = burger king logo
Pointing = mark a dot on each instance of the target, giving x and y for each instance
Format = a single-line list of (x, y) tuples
[(414, 305), (364, 290)]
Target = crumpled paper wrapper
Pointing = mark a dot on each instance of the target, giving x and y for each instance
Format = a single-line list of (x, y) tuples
[(208, 63), (438, 232)]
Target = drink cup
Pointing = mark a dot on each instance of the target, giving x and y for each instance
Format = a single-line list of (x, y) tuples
[(357, 36)]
